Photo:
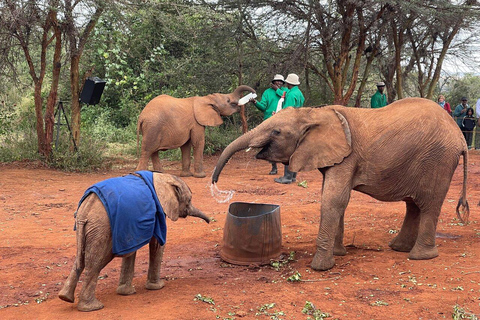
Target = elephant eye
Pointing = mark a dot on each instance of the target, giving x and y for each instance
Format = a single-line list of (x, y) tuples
[(275, 132)]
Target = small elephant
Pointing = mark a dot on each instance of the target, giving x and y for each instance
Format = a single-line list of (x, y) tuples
[(169, 123), (406, 151), (96, 246)]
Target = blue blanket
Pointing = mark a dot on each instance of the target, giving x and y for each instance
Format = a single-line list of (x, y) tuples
[(133, 209)]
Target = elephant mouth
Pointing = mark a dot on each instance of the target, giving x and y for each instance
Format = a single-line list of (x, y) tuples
[(264, 153)]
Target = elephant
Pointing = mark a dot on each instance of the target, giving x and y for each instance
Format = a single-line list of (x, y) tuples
[(95, 248), (169, 123), (406, 151)]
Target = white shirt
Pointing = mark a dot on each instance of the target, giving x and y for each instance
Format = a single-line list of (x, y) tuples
[(477, 109)]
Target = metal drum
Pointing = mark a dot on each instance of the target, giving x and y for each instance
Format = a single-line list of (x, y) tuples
[(252, 233)]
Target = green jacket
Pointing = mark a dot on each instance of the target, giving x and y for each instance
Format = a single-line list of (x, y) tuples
[(269, 102), (378, 100), (294, 97)]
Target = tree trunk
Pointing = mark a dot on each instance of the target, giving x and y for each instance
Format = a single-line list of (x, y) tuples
[(37, 97), (53, 95), (75, 102)]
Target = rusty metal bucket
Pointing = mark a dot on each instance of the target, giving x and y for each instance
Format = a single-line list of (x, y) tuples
[(252, 233)]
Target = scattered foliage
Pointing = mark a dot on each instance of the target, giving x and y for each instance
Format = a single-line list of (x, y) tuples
[(311, 310)]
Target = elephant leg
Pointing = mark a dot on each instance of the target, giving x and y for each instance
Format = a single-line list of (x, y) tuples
[(198, 143), (93, 266), (335, 199), (67, 293), (156, 256), (339, 248), (405, 240), (125, 286), (143, 161), (186, 159), (157, 166), (425, 247)]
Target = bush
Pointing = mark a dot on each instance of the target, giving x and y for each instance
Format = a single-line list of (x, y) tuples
[(89, 157), (17, 146)]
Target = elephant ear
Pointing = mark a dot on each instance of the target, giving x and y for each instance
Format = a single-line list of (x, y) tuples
[(205, 112), (324, 143), (165, 187)]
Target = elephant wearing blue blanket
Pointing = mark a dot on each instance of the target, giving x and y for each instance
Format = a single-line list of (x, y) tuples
[(163, 194)]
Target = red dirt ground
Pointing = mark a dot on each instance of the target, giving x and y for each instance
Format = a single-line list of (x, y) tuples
[(37, 250)]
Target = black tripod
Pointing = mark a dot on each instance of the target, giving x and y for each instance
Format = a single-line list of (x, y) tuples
[(59, 123)]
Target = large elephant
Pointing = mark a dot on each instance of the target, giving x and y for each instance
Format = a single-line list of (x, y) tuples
[(169, 123), (94, 242), (407, 151)]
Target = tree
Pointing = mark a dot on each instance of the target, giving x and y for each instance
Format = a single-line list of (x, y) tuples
[(78, 29), (422, 34), (341, 41), (35, 28)]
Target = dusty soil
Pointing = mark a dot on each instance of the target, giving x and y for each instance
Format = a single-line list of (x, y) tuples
[(37, 250)]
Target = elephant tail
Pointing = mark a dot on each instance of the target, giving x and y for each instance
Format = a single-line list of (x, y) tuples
[(464, 212), (139, 129)]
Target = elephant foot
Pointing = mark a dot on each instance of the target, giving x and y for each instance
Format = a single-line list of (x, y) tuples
[(66, 295), (339, 250), (419, 253), (125, 290), (321, 262), (199, 174), (93, 305), (401, 245), (155, 285), (185, 174)]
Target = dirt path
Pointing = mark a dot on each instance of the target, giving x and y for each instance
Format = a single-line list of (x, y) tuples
[(37, 249)]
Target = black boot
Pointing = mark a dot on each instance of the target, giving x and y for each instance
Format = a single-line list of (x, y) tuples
[(274, 168), (294, 177), (287, 177)]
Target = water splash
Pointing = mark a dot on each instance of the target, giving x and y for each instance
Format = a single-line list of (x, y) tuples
[(220, 195)]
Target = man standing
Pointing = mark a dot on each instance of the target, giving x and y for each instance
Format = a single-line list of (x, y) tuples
[(379, 99), (294, 98), (269, 102), (460, 112)]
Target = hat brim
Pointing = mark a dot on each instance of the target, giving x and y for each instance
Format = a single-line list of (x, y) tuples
[(294, 84)]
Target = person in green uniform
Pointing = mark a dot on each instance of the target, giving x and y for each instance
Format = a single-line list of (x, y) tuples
[(379, 99), (269, 102), (293, 98)]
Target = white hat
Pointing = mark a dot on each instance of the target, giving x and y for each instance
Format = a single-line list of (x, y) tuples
[(381, 84), (278, 77), (292, 78)]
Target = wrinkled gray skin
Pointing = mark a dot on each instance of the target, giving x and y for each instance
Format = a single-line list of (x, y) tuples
[(94, 243), (169, 123), (406, 151)]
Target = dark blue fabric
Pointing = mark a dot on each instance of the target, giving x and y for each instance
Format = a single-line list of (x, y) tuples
[(134, 210)]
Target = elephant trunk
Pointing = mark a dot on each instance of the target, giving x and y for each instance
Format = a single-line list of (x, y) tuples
[(199, 214), (237, 94), (249, 139)]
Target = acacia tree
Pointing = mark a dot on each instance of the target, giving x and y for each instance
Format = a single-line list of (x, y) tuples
[(35, 27), (422, 34), (330, 37), (341, 40), (78, 34)]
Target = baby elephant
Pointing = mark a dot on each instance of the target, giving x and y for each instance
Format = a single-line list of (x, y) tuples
[(105, 229)]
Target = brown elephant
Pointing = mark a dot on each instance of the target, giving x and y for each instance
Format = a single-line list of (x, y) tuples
[(406, 151), (95, 248), (169, 123)]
